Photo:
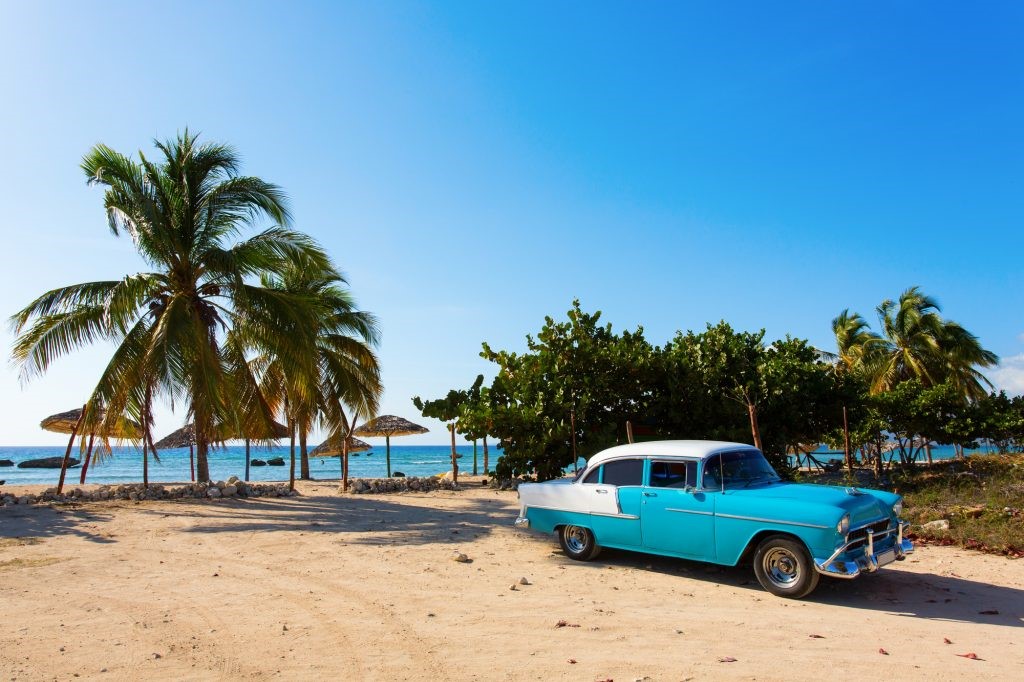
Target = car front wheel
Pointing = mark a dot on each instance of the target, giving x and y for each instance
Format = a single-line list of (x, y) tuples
[(784, 568), (578, 542)]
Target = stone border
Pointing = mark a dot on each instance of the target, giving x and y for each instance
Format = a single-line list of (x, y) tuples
[(233, 487), (401, 484)]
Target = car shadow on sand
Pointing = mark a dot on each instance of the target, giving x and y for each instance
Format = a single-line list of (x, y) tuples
[(894, 591)]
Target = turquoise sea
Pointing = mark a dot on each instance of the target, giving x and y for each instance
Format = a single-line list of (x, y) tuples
[(125, 465)]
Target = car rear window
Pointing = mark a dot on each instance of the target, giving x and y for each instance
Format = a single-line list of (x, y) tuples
[(624, 472)]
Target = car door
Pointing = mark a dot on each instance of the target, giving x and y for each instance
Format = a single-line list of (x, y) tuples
[(677, 516), (621, 481)]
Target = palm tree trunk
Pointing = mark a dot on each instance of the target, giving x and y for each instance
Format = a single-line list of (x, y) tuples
[(88, 458), (67, 453), (344, 464), (304, 453), (291, 443), (486, 469), (202, 466), (192, 460), (928, 451), (145, 462)]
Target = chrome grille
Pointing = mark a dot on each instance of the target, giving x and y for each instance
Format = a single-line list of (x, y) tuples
[(861, 534)]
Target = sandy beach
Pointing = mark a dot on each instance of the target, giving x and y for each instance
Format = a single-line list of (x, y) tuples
[(364, 588)]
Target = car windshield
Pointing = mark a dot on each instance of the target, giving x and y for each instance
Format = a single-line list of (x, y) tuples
[(743, 468)]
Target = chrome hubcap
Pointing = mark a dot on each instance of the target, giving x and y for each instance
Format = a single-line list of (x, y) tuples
[(576, 539), (781, 567)]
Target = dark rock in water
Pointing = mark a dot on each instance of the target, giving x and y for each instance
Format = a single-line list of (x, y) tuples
[(6, 462), (258, 463), (46, 463), (369, 454), (398, 474), (276, 461), (354, 454), (2, 482)]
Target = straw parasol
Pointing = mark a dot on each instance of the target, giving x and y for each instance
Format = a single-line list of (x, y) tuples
[(389, 425), (332, 447), (185, 437), (71, 422)]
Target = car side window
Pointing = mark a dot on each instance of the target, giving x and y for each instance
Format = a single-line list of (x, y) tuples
[(712, 472), (593, 476), (678, 474), (624, 472)]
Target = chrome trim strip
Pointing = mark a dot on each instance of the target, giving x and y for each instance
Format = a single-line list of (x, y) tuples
[(689, 511), (629, 517), (787, 523)]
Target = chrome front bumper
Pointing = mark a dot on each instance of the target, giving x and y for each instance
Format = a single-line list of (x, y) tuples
[(522, 522), (870, 561)]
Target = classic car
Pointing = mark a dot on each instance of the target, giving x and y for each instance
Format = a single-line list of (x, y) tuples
[(721, 503)]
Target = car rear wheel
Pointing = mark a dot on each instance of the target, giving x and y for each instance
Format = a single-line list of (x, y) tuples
[(578, 542), (784, 567)]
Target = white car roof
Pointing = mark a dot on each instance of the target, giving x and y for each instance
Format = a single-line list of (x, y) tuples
[(667, 448)]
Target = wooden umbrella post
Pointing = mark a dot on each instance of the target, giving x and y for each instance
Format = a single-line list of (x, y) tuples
[(192, 460), (387, 456), (88, 458), (846, 442), (67, 453), (246, 459)]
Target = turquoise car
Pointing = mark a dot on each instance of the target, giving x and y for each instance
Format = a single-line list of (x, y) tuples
[(721, 503)]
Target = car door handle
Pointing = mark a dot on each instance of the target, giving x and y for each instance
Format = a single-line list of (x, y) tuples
[(650, 494), (601, 492)]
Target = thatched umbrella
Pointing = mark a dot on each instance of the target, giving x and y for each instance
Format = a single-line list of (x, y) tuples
[(332, 448), (186, 437), (389, 425), (71, 422)]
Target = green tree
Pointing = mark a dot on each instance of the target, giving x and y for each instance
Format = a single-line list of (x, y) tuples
[(170, 323)]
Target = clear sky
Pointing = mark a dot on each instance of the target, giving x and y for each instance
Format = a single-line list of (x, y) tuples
[(474, 166)]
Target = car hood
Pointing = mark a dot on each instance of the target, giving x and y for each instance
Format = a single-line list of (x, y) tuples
[(862, 506)]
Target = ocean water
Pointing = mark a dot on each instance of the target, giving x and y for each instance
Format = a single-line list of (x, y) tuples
[(125, 465), (939, 452)]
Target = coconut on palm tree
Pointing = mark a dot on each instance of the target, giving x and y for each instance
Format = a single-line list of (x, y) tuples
[(185, 213)]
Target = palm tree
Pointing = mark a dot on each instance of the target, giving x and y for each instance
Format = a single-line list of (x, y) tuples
[(919, 343), (170, 323), (339, 368)]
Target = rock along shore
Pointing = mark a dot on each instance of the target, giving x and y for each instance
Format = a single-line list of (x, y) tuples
[(372, 486), (233, 487)]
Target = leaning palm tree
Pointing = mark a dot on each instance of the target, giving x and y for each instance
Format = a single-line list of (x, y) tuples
[(169, 324), (915, 343), (338, 370)]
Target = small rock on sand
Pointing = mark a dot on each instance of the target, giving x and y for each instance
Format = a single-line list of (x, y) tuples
[(460, 557)]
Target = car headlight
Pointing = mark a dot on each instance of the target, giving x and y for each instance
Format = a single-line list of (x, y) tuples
[(843, 527), (897, 509)]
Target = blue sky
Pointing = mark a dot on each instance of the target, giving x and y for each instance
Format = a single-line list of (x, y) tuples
[(473, 167)]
